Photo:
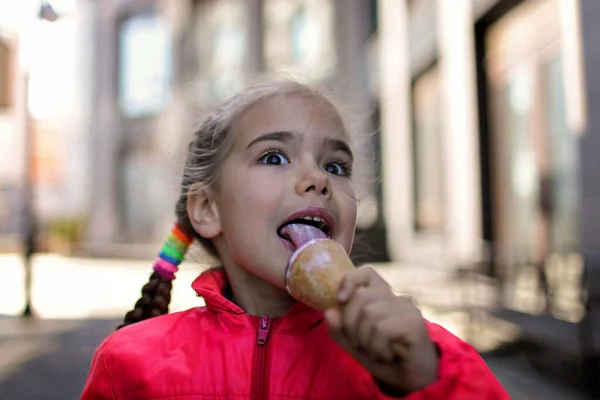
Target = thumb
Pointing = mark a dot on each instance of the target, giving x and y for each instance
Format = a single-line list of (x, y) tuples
[(334, 321), (336, 329)]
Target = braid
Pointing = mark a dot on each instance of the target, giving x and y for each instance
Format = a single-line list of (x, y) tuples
[(156, 294)]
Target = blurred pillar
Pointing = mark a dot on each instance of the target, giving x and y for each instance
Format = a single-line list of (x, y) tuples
[(395, 123), (589, 221), (29, 228), (102, 126), (459, 126), (84, 110), (590, 141), (572, 63), (255, 60), (352, 86)]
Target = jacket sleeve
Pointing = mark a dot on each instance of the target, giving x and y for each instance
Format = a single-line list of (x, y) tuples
[(462, 373), (99, 385)]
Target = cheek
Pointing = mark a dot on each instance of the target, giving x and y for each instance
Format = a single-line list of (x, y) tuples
[(260, 200), (348, 211), (351, 228), (347, 202), (248, 207)]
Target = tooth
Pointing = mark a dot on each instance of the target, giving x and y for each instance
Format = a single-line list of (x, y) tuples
[(315, 219)]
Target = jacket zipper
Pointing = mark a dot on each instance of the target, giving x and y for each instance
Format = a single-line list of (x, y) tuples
[(260, 360)]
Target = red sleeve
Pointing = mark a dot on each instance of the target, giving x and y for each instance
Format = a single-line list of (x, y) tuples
[(462, 373), (99, 383)]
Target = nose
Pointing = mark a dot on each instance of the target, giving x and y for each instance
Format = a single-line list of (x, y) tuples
[(314, 180)]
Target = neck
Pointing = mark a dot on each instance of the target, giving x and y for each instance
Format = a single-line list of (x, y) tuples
[(257, 297)]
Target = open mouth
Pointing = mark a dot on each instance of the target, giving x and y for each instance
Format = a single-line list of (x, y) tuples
[(316, 222), (305, 225)]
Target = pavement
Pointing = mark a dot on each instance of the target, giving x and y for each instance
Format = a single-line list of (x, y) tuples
[(50, 359), (78, 302)]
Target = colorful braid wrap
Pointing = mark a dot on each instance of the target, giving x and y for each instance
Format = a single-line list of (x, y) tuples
[(172, 253)]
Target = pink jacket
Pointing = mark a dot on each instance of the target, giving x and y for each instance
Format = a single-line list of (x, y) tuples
[(220, 352)]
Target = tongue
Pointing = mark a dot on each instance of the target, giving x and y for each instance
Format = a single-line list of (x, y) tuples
[(302, 233)]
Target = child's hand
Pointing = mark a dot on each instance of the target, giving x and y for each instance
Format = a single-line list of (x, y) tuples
[(371, 318)]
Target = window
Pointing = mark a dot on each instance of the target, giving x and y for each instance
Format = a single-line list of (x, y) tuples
[(228, 59), (298, 26), (299, 38), (535, 151), (562, 188), (427, 153), (144, 65), (221, 34)]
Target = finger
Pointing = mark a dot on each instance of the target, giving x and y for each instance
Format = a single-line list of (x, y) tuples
[(368, 318), (411, 316), (363, 276), (334, 324), (352, 311), (382, 322), (380, 348), (334, 321), (387, 332)]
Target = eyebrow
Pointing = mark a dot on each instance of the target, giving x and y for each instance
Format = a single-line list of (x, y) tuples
[(285, 137), (279, 136), (339, 145)]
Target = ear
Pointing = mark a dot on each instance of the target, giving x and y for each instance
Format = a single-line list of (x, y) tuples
[(203, 211)]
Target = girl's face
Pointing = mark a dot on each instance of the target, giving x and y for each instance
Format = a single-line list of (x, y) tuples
[(290, 154)]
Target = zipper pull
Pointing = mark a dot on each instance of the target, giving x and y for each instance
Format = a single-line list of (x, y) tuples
[(264, 324)]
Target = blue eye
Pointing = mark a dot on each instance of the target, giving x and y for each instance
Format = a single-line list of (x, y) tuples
[(337, 168), (273, 157)]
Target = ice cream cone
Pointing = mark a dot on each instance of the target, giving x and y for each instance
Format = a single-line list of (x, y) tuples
[(314, 274), (315, 271)]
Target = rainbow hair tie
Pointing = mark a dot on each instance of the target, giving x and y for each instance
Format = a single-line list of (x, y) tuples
[(172, 253)]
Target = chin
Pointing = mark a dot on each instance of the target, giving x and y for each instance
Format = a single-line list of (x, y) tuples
[(277, 281), (272, 271)]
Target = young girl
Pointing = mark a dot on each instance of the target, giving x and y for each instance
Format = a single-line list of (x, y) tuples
[(276, 154)]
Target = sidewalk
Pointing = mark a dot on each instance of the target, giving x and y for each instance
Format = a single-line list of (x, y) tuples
[(50, 359), (73, 288), (23, 340)]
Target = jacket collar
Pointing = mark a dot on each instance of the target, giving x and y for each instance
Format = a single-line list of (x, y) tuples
[(211, 285)]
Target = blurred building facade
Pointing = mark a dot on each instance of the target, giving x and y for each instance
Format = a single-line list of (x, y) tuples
[(12, 118), (488, 141), (492, 165), (452, 175), (159, 66), (478, 106), (39, 99)]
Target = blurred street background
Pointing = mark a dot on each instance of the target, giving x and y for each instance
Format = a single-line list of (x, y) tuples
[(478, 122)]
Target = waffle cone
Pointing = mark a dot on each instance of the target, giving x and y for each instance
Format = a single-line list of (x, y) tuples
[(315, 272)]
